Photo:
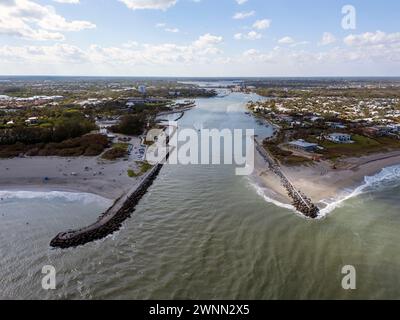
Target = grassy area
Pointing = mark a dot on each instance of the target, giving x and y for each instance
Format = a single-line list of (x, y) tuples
[(119, 150), (295, 161), (143, 168), (121, 146), (362, 146), (88, 145), (132, 173), (333, 151)]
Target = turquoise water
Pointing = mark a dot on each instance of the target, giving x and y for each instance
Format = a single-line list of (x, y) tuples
[(201, 232)]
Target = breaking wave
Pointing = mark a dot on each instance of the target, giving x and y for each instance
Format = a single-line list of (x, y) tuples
[(86, 198), (262, 191), (387, 178)]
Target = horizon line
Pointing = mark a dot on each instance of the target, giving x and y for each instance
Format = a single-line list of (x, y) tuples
[(189, 77)]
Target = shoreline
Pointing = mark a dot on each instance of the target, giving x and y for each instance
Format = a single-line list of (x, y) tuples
[(91, 175), (319, 181), (75, 175)]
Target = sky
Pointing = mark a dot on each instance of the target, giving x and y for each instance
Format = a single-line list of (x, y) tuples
[(200, 38)]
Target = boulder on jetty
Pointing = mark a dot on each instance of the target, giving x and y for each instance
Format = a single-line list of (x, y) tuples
[(111, 220), (301, 202)]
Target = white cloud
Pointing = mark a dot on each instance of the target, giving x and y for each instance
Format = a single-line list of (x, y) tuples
[(286, 40), (207, 40), (149, 4), (262, 24), (327, 38), (173, 30), (372, 38), (239, 2), (252, 35), (68, 1), (29, 20), (166, 28), (200, 51), (58, 53), (243, 15)]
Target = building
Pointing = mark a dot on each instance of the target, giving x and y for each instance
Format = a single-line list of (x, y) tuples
[(339, 138), (32, 120), (142, 89), (285, 118), (132, 102), (394, 127), (336, 125), (377, 131), (303, 145)]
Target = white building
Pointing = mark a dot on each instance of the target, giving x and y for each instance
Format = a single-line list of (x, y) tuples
[(32, 120), (339, 138), (142, 89), (394, 127)]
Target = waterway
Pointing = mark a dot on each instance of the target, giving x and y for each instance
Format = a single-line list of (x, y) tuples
[(201, 232)]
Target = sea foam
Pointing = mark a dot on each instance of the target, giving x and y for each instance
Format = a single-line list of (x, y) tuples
[(388, 177), (86, 198)]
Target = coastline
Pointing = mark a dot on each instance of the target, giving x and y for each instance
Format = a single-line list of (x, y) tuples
[(319, 181), (77, 175)]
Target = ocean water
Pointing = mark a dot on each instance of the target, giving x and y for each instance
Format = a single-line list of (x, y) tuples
[(201, 232)]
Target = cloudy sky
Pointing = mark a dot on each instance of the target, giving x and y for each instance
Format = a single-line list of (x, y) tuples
[(199, 37)]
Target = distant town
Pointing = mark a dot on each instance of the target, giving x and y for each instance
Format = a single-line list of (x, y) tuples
[(314, 119), (314, 123), (84, 117)]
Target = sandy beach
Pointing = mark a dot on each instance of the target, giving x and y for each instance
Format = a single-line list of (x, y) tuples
[(82, 174), (320, 181)]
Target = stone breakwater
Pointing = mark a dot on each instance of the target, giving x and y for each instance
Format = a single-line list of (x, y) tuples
[(300, 201), (112, 219)]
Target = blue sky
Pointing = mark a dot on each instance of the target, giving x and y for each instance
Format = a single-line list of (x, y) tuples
[(199, 38)]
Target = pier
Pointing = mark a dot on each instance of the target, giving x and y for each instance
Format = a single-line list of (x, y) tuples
[(300, 201)]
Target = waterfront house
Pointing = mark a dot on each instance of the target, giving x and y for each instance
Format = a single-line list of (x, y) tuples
[(303, 145), (394, 127), (285, 118), (339, 137), (32, 120), (377, 131), (336, 125)]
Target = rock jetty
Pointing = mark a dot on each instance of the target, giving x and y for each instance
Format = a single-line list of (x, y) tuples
[(301, 202), (112, 219)]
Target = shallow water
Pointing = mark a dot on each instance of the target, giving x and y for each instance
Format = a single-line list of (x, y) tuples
[(201, 232)]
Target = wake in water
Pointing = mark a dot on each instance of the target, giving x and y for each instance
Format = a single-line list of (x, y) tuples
[(387, 178)]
